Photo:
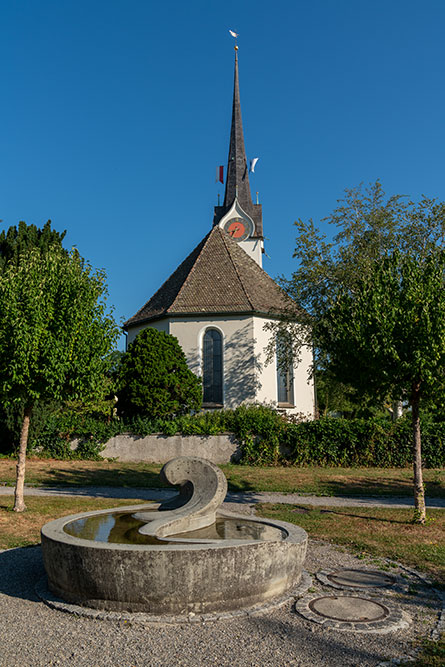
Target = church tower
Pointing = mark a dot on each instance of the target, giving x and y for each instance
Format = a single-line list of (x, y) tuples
[(239, 216), (219, 303)]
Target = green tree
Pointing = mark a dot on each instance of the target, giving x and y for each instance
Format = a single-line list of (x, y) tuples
[(364, 227), (333, 395), (13, 242), (386, 335), (19, 240), (55, 335), (154, 378)]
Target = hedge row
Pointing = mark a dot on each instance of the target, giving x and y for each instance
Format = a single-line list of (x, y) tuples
[(267, 438), (59, 430), (362, 442)]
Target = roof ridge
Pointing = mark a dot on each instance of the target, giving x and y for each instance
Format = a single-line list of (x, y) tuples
[(164, 284), (235, 266)]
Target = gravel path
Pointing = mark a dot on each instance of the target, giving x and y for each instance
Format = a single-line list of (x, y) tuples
[(249, 498), (32, 634)]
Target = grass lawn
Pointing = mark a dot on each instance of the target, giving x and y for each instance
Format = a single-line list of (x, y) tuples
[(381, 532), (313, 480)]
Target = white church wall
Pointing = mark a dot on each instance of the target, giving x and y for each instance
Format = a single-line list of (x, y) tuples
[(267, 373), (247, 377), (304, 391), (254, 248), (268, 391), (238, 352)]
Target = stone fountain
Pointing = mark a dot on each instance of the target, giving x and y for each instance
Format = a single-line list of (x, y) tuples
[(183, 556)]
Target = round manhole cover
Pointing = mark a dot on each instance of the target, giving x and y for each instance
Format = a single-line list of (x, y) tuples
[(349, 609), (361, 579)]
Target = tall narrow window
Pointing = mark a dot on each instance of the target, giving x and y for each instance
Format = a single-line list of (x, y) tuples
[(212, 375), (285, 374)]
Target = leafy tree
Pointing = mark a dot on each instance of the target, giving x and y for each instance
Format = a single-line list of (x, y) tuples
[(155, 380), (369, 225), (116, 359), (333, 395), (55, 335), (364, 227), (386, 335), (13, 242)]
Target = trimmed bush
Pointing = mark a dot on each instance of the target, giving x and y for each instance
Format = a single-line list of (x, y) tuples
[(361, 442), (154, 379)]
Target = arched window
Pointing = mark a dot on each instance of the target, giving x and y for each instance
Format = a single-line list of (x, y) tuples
[(212, 372), (285, 372)]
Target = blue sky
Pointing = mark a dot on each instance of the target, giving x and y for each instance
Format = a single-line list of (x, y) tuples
[(116, 113)]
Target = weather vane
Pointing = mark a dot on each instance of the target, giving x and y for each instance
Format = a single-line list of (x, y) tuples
[(235, 35)]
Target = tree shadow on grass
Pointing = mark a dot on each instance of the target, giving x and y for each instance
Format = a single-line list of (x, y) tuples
[(102, 476), (380, 487), (240, 486), (301, 509)]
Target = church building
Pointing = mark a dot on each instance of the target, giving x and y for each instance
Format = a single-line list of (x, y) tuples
[(219, 300)]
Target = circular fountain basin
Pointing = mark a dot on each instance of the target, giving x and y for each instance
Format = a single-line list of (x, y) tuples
[(175, 577), (180, 557), (123, 528)]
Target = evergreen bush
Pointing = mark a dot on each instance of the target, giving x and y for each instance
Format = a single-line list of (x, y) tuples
[(154, 379)]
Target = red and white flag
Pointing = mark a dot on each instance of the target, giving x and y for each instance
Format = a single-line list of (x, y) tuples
[(219, 174)]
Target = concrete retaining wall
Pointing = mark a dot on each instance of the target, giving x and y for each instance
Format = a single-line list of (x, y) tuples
[(161, 448)]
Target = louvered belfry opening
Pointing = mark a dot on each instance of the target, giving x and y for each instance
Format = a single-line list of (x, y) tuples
[(212, 368)]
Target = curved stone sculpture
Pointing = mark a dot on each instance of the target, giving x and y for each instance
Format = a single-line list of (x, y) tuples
[(208, 490)]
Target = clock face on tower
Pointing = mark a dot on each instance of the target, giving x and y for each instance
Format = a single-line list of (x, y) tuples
[(238, 228)]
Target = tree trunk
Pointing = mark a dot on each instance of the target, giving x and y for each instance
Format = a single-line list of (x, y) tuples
[(419, 492), (19, 500)]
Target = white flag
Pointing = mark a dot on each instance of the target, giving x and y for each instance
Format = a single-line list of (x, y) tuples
[(253, 163), (234, 34)]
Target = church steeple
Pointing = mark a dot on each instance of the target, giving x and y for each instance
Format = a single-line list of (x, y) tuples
[(237, 175), (237, 181)]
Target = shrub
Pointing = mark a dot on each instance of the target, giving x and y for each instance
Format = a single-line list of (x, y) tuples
[(361, 442), (91, 432), (266, 438), (154, 379)]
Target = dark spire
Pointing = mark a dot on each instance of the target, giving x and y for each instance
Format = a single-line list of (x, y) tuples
[(237, 175), (237, 181)]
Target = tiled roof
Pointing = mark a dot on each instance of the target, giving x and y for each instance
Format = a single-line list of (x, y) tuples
[(217, 277)]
